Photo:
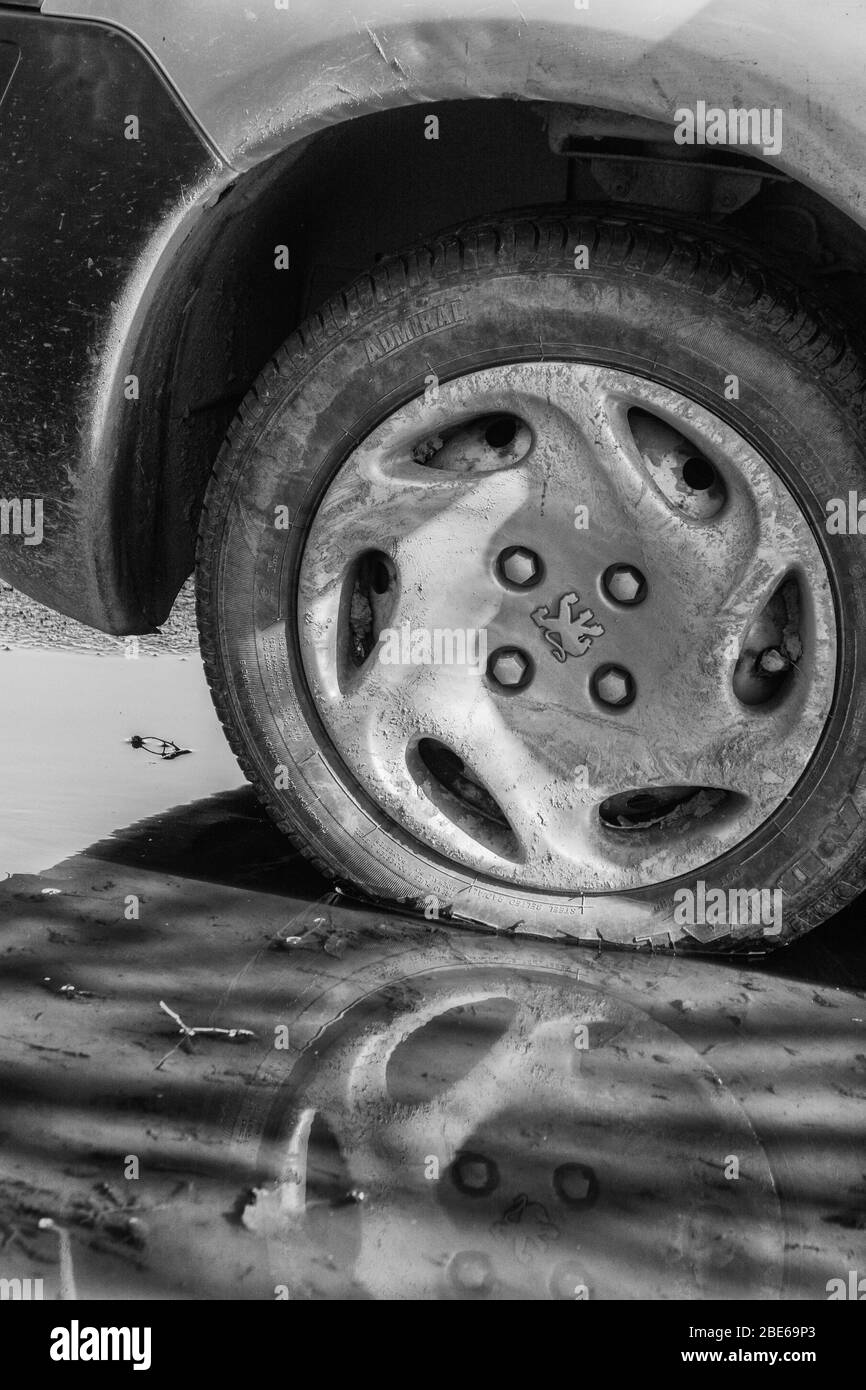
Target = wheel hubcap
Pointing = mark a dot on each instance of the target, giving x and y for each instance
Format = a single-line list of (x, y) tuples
[(593, 600)]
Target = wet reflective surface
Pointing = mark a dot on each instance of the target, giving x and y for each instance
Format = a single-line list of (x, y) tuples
[(421, 1113)]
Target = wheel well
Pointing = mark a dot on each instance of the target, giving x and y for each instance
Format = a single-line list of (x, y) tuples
[(359, 190)]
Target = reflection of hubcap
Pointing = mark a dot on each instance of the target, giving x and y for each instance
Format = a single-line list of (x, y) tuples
[(518, 1134), (567, 627)]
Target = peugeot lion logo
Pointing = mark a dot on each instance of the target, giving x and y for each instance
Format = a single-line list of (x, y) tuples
[(567, 634)]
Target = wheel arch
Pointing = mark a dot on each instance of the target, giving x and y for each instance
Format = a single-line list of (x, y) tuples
[(215, 307)]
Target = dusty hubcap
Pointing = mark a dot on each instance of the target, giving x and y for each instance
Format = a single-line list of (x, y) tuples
[(567, 627)]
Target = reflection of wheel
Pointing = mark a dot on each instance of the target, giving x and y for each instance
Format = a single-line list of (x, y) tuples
[(489, 1133), (516, 599)]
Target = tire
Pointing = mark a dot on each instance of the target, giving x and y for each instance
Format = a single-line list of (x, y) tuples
[(665, 311)]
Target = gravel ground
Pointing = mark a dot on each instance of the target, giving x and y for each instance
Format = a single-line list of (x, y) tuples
[(26, 623)]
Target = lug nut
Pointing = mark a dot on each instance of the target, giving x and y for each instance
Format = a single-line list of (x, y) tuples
[(520, 567), (474, 1175), (576, 1184), (624, 584), (613, 685), (510, 668)]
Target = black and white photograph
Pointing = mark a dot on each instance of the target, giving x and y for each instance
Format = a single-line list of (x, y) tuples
[(433, 667)]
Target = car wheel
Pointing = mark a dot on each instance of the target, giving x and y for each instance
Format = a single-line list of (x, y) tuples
[(517, 599)]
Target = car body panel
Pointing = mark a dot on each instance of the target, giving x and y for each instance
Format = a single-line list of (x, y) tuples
[(81, 208), (97, 229), (257, 76)]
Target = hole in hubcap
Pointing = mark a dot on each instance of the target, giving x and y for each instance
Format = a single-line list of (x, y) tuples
[(482, 445), (688, 481), (368, 601), (698, 473), (501, 431), (380, 579), (461, 796), (771, 649), (668, 807)]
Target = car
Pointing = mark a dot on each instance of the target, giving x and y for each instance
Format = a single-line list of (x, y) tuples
[(498, 368)]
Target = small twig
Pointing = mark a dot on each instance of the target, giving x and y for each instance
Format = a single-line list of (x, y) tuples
[(68, 1290), (66, 991), (166, 748), (187, 1033)]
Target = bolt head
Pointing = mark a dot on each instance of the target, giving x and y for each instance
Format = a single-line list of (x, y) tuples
[(520, 566), (625, 584), (510, 667), (475, 1174), (614, 686)]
